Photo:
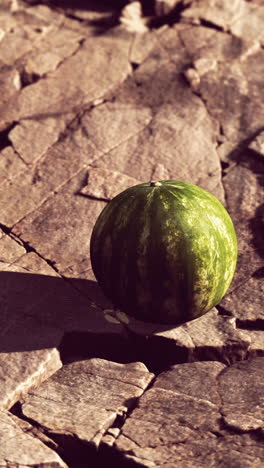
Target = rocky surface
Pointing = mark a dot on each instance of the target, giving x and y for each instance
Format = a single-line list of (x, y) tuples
[(189, 417), (96, 97), (21, 445)]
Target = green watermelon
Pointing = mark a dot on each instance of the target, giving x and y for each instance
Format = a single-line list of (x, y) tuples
[(164, 251)]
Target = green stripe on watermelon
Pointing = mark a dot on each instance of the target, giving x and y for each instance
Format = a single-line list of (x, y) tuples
[(164, 252)]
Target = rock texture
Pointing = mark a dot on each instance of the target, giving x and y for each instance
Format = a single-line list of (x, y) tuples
[(84, 399), (20, 445), (189, 415), (96, 97)]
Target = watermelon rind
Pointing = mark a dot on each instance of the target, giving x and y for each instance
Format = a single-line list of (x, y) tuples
[(164, 251)]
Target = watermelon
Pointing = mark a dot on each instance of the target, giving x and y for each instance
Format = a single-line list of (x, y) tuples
[(164, 251)]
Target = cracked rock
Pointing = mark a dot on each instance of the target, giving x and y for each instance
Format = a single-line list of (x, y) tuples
[(43, 134), (221, 14), (249, 23), (110, 124), (37, 309), (173, 138), (14, 44), (28, 354), (229, 97), (104, 184), (54, 48), (69, 243), (207, 47), (79, 80), (179, 420), (36, 184), (242, 405), (9, 249), (20, 448), (244, 204), (211, 336), (102, 391), (246, 302), (10, 165)]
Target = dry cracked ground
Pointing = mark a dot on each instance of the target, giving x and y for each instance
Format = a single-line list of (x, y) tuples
[(96, 97)]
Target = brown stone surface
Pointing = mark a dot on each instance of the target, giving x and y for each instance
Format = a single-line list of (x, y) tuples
[(11, 165), (242, 406), (85, 398), (19, 447), (245, 206), (96, 97), (246, 302), (216, 335), (37, 308), (186, 418)]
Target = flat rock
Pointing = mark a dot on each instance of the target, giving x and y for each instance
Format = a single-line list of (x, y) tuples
[(13, 45), (244, 205), (208, 47), (10, 250), (242, 408), (43, 134), (246, 302), (237, 119), (9, 83), (179, 420), (249, 23), (52, 49), (21, 448), (20, 371), (37, 310), (26, 359), (11, 164), (104, 184), (212, 336), (44, 14), (61, 161), (23, 193), (172, 139), (111, 123), (103, 390), (143, 45), (220, 14), (76, 80), (80, 213)]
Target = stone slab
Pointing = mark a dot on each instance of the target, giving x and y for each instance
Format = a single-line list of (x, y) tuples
[(103, 390), (242, 406), (214, 336), (21, 448), (77, 82), (105, 185), (246, 302), (241, 116), (11, 165), (179, 420), (38, 308), (244, 204)]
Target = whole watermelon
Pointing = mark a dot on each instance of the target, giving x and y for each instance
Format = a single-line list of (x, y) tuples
[(164, 251)]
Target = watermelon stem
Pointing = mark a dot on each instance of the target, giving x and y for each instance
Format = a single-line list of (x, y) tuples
[(154, 183)]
